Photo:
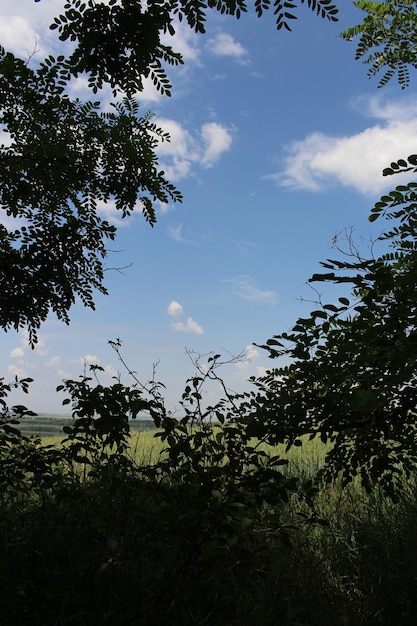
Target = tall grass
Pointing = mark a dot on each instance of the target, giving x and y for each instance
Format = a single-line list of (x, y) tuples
[(127, 552)]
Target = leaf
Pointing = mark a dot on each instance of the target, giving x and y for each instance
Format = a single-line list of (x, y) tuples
[(321, 314)]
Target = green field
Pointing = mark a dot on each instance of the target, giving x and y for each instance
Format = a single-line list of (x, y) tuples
[(145, 448)]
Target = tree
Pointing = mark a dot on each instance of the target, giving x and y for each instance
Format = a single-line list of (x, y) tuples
[(60, 158), (352, 379), (388, 36), (352, 375), (119, 42)]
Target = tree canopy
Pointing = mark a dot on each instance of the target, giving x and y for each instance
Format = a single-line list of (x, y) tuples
[(61, 158), (119, 42), (352, 376), (387, 38)]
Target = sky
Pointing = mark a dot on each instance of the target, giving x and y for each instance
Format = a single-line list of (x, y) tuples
[(278, 141)]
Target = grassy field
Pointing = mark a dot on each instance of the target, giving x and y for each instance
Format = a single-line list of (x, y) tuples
[(145, 448), (129, 552)]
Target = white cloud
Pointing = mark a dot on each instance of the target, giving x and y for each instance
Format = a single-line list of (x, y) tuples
[(185, 41), (63, 375), (377, 108), (175, 309), (217, 140), (185, 150), (179, 153), (245, 287), (108, 212), (24, 25), (54, 361), (110, 371), (250, 354), (164, 207), (249, 365), (40, 347), (190, 326), (224, 45), (355, 161), (175, 233), (6, 139), (17, 371), (22, 352), (149, 92), (87, 359), (261, 371), (17, 353), (18, 36)]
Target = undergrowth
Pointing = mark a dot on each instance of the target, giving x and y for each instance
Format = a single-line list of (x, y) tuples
[(197, 523)]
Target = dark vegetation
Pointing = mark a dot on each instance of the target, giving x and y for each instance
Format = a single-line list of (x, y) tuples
[(223, 527), (215, 530), (52, 426)]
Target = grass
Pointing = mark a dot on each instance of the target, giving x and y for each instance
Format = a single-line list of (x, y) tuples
[(126, 550)]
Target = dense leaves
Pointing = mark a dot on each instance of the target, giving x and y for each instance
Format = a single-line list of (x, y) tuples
[(349, 374), (120, 43), (387, 38), (352, 373), (61, 160)]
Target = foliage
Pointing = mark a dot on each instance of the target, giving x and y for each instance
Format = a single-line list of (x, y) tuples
[(60, 161), (352, 375), (124, 547), (99, 436), (208, 505), (119, 42), (387, 38), (216, 530)]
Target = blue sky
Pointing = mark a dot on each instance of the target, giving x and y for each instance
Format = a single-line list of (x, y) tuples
[(278, 143)]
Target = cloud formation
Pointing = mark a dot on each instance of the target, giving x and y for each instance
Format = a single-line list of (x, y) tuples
[(250, 354), (190, 326), (245, 287), (176, 310), (216, 139), (184, 150), (224, 45), (357, 161), (175, 233), (185, 41), (17, 35), (17, 353), (249, 366), (54, 361)]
